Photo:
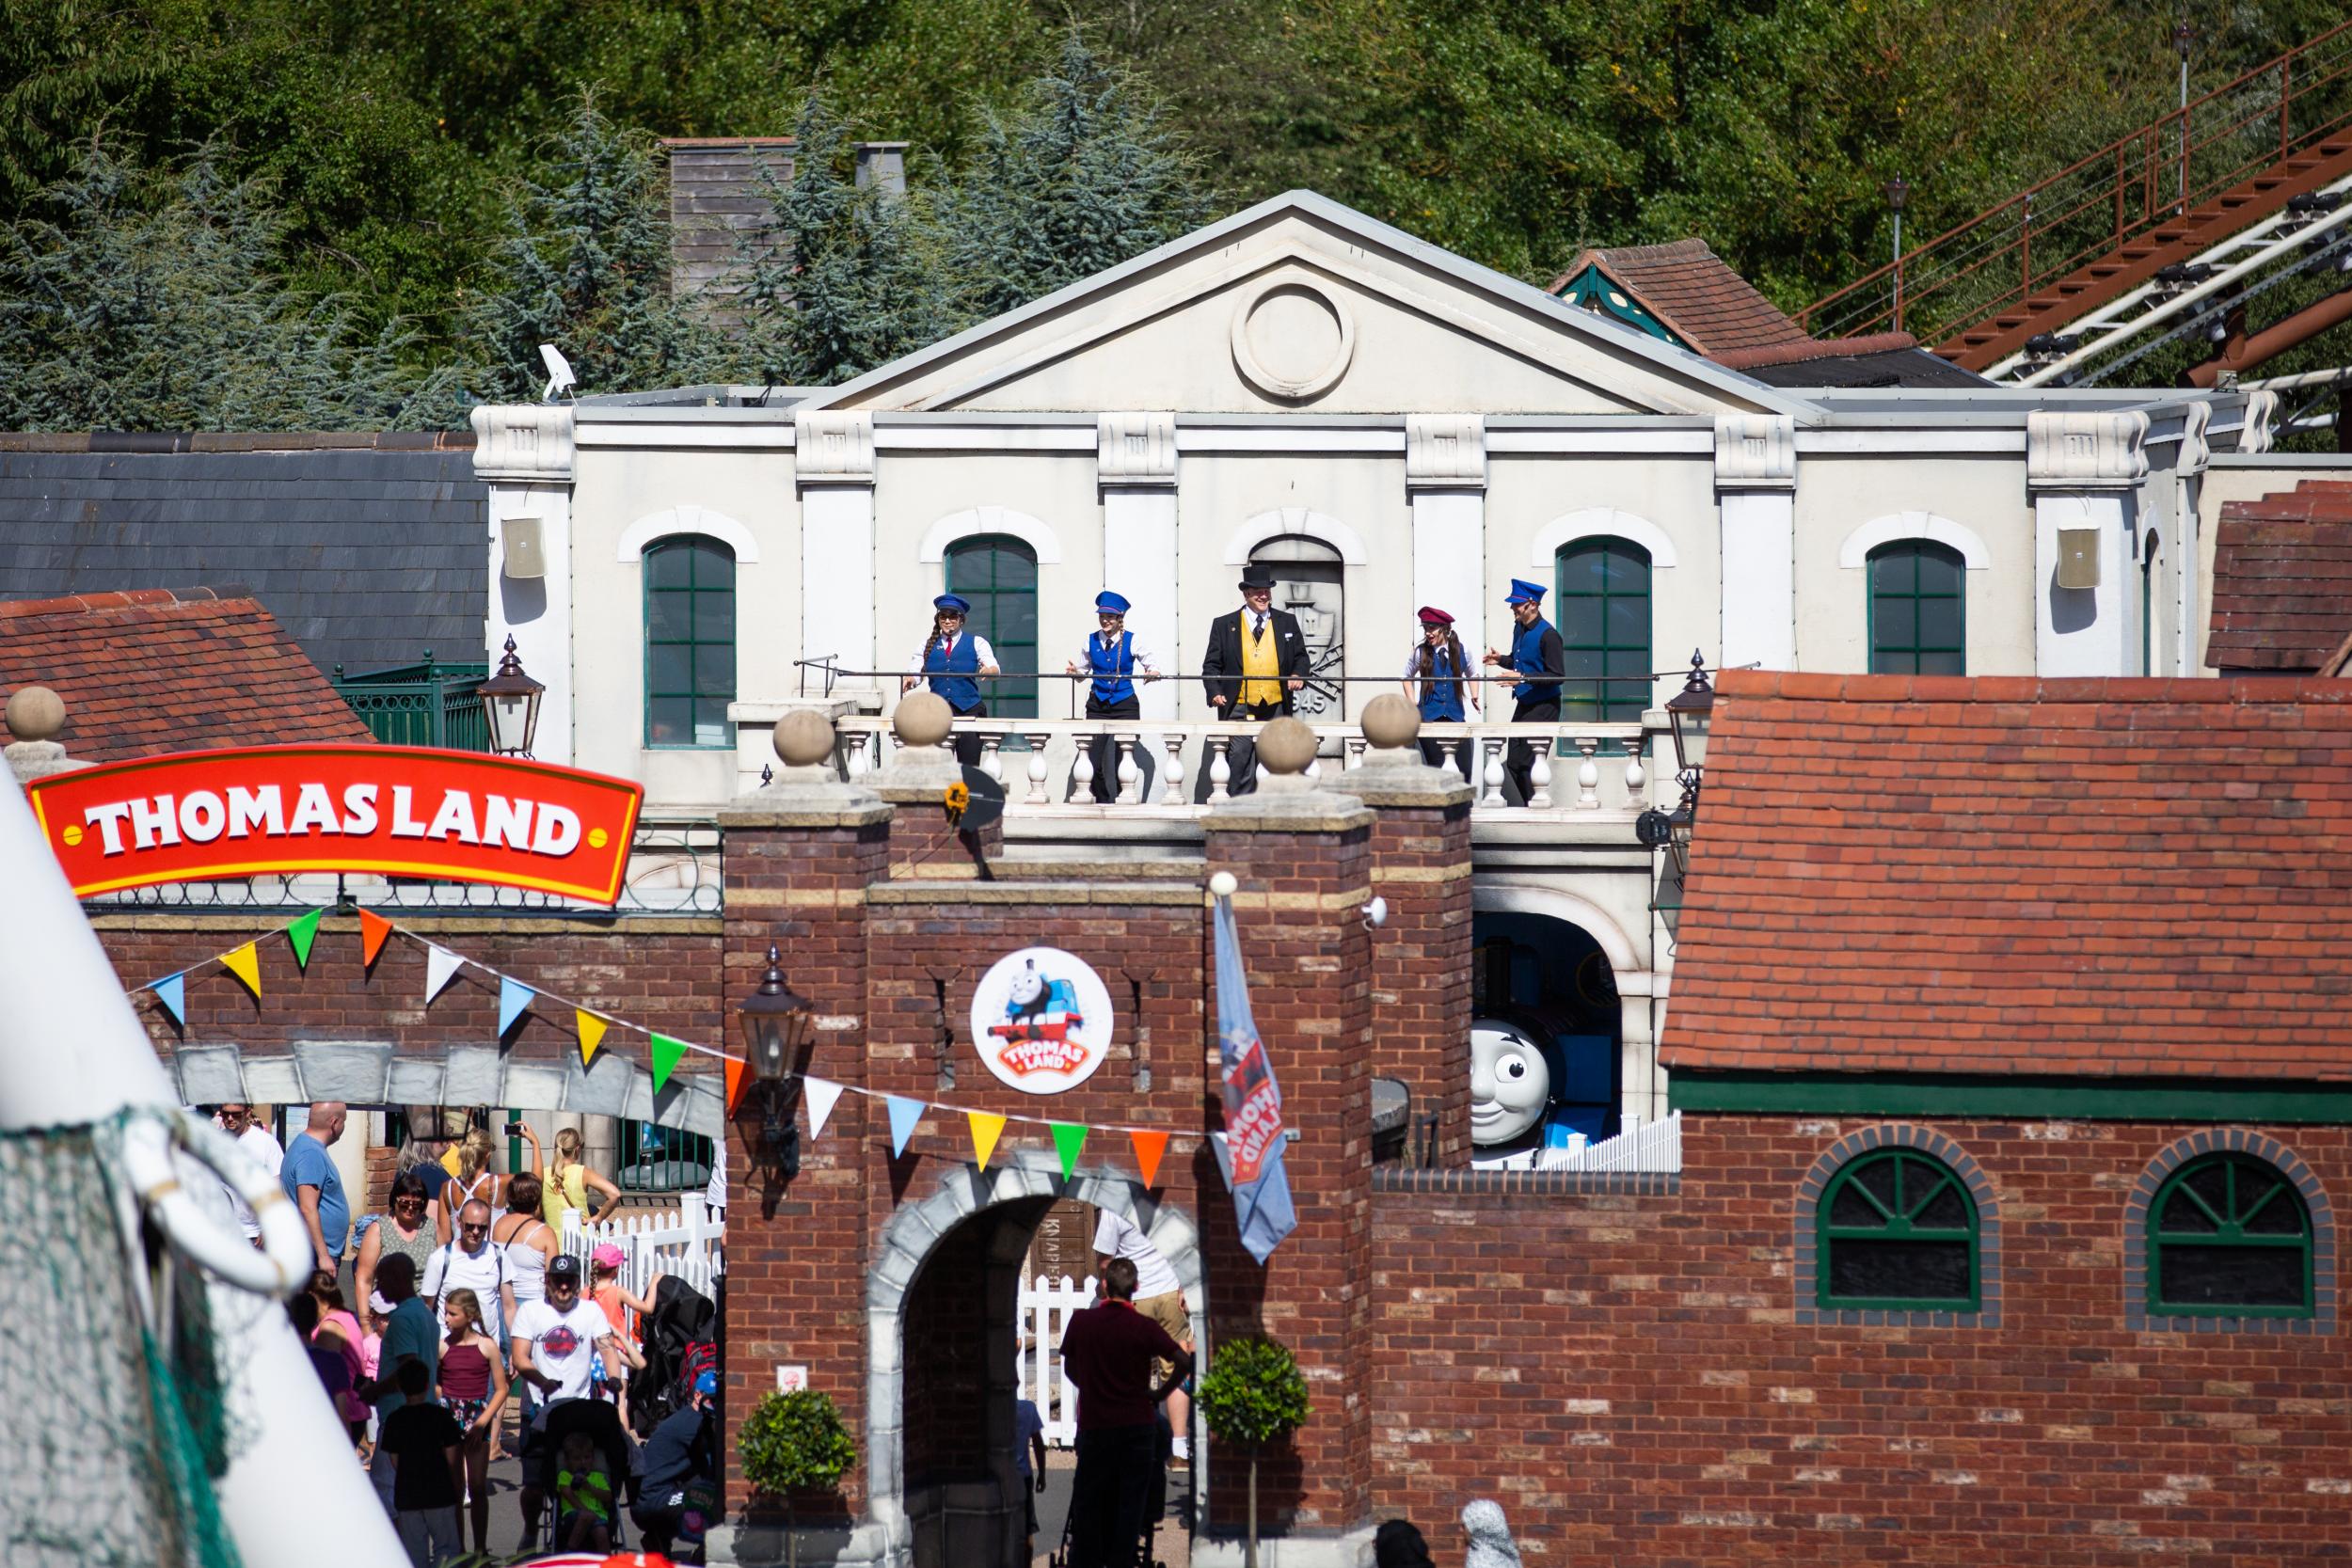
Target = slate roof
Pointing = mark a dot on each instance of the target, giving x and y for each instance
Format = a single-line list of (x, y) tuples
[(367, 549), (2282, 579), (1699, 297), (156, 671), (2020, 877), (1877, 359)]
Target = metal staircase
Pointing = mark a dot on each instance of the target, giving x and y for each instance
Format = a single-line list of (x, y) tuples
[(2146, 238)]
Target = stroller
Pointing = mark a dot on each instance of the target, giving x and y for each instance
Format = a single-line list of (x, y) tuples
[(1154, 1508), (679, 1347), (601, 1422)]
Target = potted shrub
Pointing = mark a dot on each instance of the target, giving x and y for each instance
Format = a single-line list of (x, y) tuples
[(1253, 1395), (792, 1441)]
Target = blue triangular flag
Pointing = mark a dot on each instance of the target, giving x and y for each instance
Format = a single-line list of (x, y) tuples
[(172, 990), (514, 996), (904, 1114)]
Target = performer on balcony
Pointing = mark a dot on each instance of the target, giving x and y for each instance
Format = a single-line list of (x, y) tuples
[(1257, 657), (1434, 679), (1536, 653), (952, 657), (1113, 658)]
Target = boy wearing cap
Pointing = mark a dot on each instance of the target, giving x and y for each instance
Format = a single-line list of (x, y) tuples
[(678, 1495), (1113, 657), (1437, 680), (951, 659), (1257, 659), (1536, 653)]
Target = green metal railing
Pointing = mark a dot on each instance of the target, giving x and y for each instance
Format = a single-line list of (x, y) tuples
[(424, 704)]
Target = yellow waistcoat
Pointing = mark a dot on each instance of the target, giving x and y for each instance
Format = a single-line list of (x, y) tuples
[(1260, 658)]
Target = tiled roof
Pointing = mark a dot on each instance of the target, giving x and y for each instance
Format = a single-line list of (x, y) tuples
[(1687, 286), (2020, 878), (2283, 578), (161, 671)]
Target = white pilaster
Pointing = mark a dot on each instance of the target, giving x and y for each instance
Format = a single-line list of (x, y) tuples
[(1756, 491), (1135, 466), (2188, 479), (523, 452), (2082, 470), (1446, 477), (832, 459)]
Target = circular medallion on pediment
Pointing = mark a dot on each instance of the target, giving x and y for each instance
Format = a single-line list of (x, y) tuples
[(1292, 339)]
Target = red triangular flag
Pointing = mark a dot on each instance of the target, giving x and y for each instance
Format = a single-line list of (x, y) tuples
[(374, 929), (1149, 1147), (735, 1080)]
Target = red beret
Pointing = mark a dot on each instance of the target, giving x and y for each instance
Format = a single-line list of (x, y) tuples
[(1430, 615)]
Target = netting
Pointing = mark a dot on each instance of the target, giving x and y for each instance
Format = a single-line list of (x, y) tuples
[(113, 1420)]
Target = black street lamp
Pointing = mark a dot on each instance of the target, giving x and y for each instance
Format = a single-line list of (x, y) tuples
[(778, 1025), (1898, 192), (510, 702), (1689, 711)]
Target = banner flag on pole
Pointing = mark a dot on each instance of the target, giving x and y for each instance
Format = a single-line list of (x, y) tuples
[(441, 968), (736, 1066), (513, 1000), (985, 1129), (1068, 1137), (374, 929), (592, 1036), (823, 1094), (667, 1053), (172, 991), (1149, 1147), (1253, 1105), (904, 1114), (300, 935), (246, 965)]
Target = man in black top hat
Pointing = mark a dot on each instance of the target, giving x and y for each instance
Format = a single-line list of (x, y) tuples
[(1257, 659)]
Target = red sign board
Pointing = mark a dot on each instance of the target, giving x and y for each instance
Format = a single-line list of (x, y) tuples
[(396, 811)]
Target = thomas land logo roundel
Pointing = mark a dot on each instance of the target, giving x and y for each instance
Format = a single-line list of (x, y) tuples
[(1041, 1020)]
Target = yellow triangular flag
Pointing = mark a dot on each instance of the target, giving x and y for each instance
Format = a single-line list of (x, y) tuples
[(246, 965), (985, 1128), (590, 1033)]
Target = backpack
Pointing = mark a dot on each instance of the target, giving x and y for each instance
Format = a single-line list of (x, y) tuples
[(679, 1347)]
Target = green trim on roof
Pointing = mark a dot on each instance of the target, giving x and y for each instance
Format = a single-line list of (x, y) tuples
[(1591, 290), (2032, 1098)]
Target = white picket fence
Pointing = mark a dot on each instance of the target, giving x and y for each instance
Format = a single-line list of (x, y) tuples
[(1045, 1307), (654, 1242), (1653, 1146)]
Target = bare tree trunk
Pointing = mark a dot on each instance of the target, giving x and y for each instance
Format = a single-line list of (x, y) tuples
[(1251, 1558)]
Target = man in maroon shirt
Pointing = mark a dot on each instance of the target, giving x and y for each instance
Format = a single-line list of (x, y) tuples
[(1108, 1350)]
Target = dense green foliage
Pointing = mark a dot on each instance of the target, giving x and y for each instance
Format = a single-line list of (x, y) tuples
[(793, 1442), (1253, 1394)]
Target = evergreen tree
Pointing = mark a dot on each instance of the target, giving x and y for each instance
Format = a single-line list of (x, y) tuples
[(584, 265), (152, 302)]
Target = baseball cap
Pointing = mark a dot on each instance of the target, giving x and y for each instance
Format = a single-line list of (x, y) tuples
[(565, 1266), (607, 1256)]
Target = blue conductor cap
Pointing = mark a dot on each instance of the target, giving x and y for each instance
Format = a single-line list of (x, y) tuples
[(1110, 603), (1523, 592), (953, 602)]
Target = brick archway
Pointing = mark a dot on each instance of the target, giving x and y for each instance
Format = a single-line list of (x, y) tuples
[(916, 1233)]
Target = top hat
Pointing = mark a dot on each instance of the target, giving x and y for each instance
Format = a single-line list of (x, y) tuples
[(1256, 576)]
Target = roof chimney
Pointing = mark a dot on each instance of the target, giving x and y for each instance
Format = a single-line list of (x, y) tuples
[(717, 198), (883, 164)]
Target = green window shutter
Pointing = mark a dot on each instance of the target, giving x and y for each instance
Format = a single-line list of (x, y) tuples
[(689, 641), (1896, 1231), (2229, 1237), (1918, 610), (998, 576), (1601, 591)]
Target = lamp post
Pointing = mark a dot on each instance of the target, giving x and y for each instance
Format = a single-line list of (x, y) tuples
[(778, 1025), (1689, 711), (1898, 192), (510, 702)]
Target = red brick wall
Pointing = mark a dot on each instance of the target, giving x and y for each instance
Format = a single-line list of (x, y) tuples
[(1625, 1374), (1420, 969)]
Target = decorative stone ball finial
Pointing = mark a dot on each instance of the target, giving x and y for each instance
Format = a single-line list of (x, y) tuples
[(1285, 746), (34, 713), (924, 719), (1390, 722), (805, 738)]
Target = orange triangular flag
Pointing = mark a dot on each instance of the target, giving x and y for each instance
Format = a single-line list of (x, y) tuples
[(246, 965), (985, 1129), (374, 929), (1149, 1147), (590, 1033), (735, 1080)]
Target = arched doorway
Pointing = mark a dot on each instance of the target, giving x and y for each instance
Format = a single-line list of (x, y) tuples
[(1550, 986), (1309, 581), (943, 1371)]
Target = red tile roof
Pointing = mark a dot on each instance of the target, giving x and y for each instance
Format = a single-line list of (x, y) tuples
[(163, 670), (1692, 290), (2020, 877), (2283, 578)]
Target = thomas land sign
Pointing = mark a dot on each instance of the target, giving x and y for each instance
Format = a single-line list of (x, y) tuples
[(1041, 1020), (387, 810)]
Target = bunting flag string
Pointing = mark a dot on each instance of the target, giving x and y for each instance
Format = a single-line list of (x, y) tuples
[(1068, 1137), (736, 1074), (904, 1114), (441, 968), (823, 1094), (1149, 1147), (514, 1001), (172, 991), (591, 1029), (986, 1127), (300, 935), (246, 965), (667, 1053), (374, 929)]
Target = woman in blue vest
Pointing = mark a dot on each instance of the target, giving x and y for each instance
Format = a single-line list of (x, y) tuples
[(1540, 660), (951, 659), (1438, 680), (1113, 660)]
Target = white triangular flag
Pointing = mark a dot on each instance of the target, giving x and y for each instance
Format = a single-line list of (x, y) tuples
[(822, 1093), (441, 968)]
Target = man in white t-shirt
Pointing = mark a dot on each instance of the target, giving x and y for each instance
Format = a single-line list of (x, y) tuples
[(558, 1341), (476, 1264), (1159, 1298), (237, 1120)]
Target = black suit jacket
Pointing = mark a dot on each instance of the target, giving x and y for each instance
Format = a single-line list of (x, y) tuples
[(1220, 669)]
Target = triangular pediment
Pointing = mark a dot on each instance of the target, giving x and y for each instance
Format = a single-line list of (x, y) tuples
[(1300, 304)]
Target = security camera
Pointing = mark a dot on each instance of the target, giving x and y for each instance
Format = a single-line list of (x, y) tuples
[(1376, 913), (560, 377)]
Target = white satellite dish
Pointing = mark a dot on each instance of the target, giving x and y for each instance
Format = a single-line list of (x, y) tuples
[(560, 377)]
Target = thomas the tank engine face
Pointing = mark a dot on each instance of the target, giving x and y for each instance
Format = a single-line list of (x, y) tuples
[(1510, 1083)]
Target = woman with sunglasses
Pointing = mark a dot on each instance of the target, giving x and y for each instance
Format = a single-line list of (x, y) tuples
[(408, 1230), (950, 660)]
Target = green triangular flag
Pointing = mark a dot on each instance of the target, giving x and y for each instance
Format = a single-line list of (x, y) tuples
[(301, 934), (1068, 1137), (666, 1055)]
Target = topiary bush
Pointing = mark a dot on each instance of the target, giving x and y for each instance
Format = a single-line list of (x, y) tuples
[(791, 1441), (1253, 1395)]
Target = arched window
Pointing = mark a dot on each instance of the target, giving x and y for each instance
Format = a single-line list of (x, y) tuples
[(689, 641), (1918, 610), (1898, 1231), (2230, 1236), (998, 574), (1603, 593), (1310, 582)]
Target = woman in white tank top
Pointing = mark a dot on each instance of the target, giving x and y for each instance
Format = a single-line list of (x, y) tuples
[(529, 1244)]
